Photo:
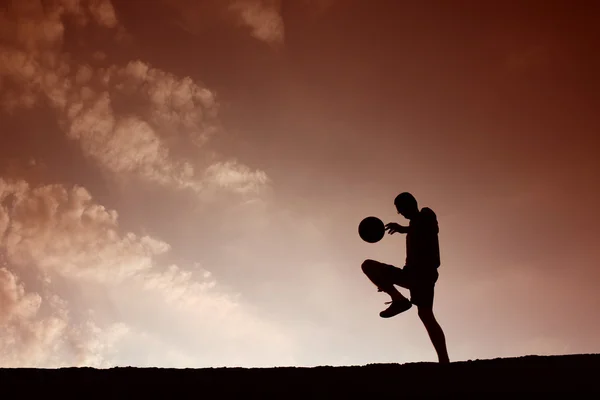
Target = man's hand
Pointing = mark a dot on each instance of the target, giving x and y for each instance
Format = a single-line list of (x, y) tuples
[(393, 227)]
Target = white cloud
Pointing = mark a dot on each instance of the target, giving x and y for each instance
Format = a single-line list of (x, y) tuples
[(177, 107), (160, 138), (56, 238), (37, 330), (263, 17), (125, 145), (78, 290), (62, 231), (103, 12), (237, 177)]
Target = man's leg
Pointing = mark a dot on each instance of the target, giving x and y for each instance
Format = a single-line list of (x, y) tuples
[(384, 276), (436, 334), (422, 294)]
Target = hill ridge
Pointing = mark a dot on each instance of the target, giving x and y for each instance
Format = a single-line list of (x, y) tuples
[(531, 373)]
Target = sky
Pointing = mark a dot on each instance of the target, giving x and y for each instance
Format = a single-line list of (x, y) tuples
[(181, 181)]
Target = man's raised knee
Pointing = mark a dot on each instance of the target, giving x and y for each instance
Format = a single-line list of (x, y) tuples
[(368, 265)]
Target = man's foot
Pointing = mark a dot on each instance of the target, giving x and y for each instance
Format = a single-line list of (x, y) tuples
[(396, 307)]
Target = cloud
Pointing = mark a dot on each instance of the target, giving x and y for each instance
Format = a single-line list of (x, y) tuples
[(38, 26), (135, 121), (77, 288), (103, 12), (263, 17), (236, 177), (126, 145), (56, 238), (62, 231), (37, 330), (176, 107)]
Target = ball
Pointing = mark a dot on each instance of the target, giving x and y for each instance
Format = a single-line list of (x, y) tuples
[(371, 229)]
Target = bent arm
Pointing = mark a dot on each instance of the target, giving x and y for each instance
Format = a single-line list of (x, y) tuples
[(393, 227), (402, 229)]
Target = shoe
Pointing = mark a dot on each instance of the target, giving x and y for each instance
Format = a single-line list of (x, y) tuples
[(396, 307)]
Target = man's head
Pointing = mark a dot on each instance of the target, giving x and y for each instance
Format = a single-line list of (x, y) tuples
[(406, 204)]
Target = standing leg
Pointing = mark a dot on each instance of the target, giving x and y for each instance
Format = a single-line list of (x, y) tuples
[(384, 276), (436, 334)]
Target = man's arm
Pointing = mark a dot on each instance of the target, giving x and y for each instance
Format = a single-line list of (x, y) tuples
[(393, 227)]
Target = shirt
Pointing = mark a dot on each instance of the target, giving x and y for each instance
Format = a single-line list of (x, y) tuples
[(422, 245)]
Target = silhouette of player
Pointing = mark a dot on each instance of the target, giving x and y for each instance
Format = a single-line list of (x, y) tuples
[(420, 273)]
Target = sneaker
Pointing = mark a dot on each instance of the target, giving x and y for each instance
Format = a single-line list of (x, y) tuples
[(396, 307)]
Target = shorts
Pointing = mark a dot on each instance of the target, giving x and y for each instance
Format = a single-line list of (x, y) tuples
[(419, 281)]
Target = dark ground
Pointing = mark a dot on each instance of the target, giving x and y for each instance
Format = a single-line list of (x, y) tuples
[(572, 373)]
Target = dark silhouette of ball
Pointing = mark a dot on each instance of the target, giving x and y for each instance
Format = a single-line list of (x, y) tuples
[(371, 229)]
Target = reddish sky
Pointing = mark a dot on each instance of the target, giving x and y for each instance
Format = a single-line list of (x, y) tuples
[(181, 181)]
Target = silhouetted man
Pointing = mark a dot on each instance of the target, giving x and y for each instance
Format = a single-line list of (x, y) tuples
[(420, 273)]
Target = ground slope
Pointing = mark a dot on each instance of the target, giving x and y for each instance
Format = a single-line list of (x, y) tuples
[(570, 373)]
